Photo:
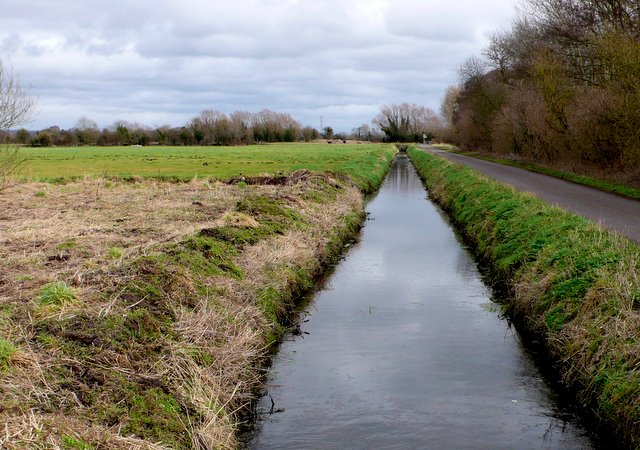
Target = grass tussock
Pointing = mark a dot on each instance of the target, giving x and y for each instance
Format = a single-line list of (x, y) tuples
[(138, 314), (573, 283), (56, 294)]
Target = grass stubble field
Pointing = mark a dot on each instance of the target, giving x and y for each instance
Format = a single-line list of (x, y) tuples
[(141, 291)]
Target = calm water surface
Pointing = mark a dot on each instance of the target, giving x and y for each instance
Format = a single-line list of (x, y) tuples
[(404, 349)]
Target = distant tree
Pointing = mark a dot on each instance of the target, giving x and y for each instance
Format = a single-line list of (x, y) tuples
[(122, 133), (87, 131), (173, 136), (210, 127), (270, 126), (406, 122), (309, 134), (240, 127), (327, 132), (340, 136), (376, 135), (289, 135), (42, 139), (362, 133), (449, 105), (67, 138), (163, 134), (23, 136), (188, 136)]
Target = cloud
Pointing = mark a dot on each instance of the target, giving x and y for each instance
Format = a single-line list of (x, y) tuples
[(164, 62), (440, 21)]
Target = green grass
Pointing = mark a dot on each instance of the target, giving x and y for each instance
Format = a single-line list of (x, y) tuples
[(114, 252), (62, 163), (573, 284), (7, 350), (56, 294), (68, 245), (71, 443), (603, 185)]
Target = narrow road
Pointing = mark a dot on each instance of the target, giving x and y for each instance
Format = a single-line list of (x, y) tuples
[(611, 211)]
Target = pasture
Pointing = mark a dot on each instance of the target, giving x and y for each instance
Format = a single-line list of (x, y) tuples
[(49, 164)]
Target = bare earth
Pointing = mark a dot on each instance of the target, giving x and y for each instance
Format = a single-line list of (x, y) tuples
[(611, 211)]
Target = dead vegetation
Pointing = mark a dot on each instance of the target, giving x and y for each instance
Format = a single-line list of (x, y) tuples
[(137, 314)]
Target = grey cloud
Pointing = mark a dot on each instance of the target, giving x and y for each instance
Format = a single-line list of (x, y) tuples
[(166, 61)]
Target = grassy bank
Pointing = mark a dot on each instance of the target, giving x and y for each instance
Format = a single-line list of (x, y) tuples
[(572, 283), (139, 313)]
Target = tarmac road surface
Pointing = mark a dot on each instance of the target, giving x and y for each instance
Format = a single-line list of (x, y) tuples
[(612, 211)]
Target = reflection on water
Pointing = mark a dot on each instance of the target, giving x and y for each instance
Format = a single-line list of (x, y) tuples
[(402, 351), (401, 179)]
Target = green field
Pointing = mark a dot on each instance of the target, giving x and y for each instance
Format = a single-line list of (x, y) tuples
[(47, 164)]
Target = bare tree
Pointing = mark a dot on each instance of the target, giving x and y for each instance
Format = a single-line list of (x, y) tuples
[(16, 108), (407, 122), (240, 126), (449, 105), (362, 133), (87, 131), (472, 69)]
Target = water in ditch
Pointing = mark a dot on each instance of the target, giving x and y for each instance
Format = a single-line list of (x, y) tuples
[(403, 348)]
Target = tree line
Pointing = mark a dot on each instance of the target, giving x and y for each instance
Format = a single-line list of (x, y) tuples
[(209, 127), (395, 123), (561, 86)]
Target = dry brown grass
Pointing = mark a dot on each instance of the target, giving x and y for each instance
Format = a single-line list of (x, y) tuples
[(87, 234), (68, 231), (33, 430)]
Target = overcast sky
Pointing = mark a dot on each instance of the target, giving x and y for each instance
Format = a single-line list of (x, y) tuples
[(163, 61)]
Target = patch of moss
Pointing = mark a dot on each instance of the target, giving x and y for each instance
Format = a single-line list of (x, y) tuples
[(237, 236), (273, 214), (67, 245), (321, 191), (138, 334), (92, 347), (156, 415), (71, 443), (206, 256), (557, 317)]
